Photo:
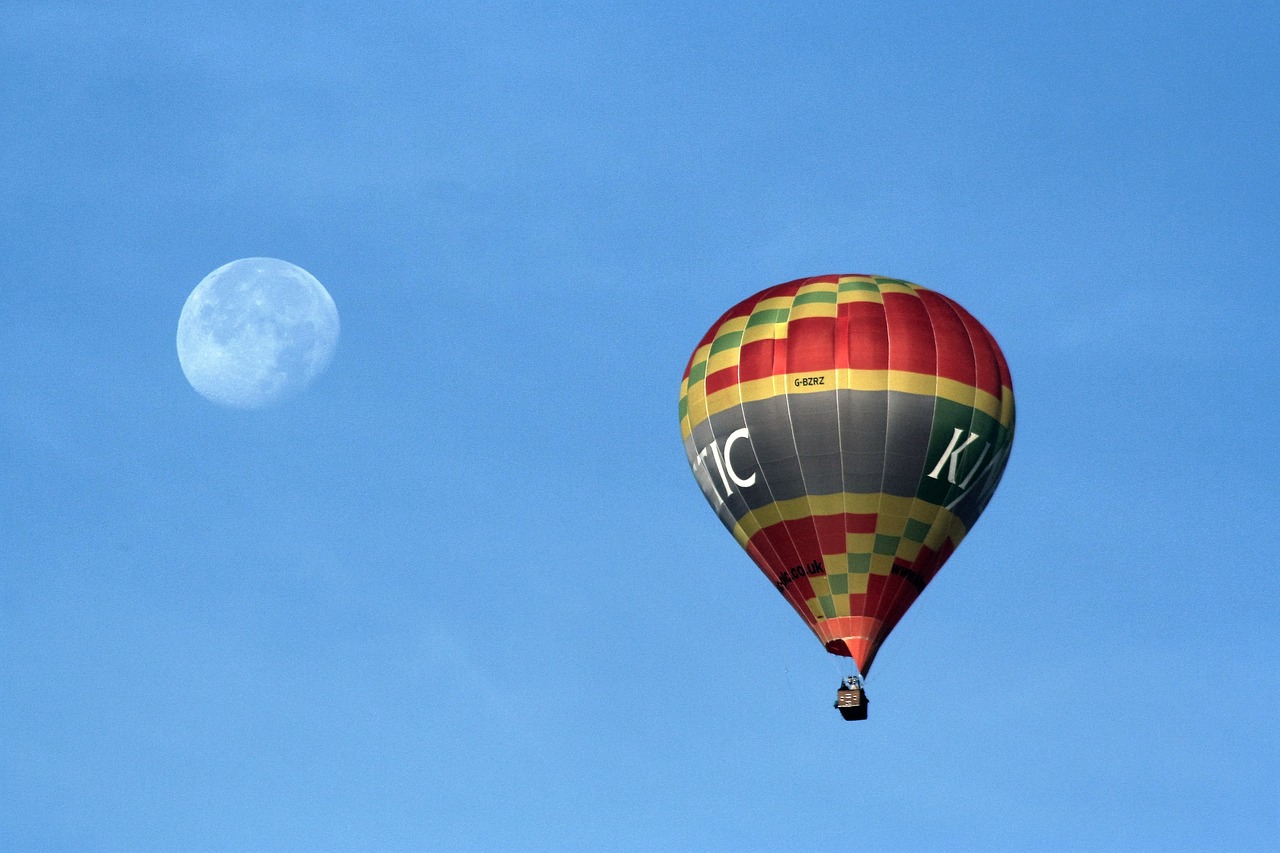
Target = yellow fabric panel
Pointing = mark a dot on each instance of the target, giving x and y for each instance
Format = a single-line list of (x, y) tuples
[(773, 303), (890, 525), (733, 324), (944, 525), (955, 530), (719, 401), (802, 383), (826, 286), (923, 384), (765, 516), (1006, 405), (855, 380), (746, 392), (764, 332), (859, 296), (893, 512), (862, 380), (893, 507), (888, 286), (698, 410), (958, 392), (813, 309), (927, 513), (819, 505), (859, 543), (724, 358), (908, 550), (701, 353)]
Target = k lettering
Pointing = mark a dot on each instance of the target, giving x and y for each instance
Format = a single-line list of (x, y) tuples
[(951, 458)]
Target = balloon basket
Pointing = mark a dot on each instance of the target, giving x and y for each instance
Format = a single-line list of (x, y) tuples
[(851, 700)]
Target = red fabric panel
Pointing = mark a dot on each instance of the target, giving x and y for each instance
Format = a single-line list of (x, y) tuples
[(722, 379), (875, 591), (779, 546), (868, 337), (955, 350), (805, 535), (814, 532), (860, 522), (911, 346), (1005, 378), (811, 344), (987, 355), (756, 360), (902, 601)]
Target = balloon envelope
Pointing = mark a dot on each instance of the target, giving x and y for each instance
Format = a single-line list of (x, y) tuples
[(848, 430)]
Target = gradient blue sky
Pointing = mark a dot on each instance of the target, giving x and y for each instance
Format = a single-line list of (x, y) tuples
[(464, 593)]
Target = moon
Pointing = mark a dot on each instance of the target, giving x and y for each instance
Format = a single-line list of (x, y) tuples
[(256, 331)]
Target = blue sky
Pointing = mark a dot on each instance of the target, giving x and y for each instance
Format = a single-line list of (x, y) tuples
[(464, 592)]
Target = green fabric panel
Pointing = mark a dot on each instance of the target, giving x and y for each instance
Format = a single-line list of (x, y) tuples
[(697, 373), (886, 545), (815, 296), (846, 286), (828, 606), (728, 340), (916, 530), (839, 584), (684, 406), (767, 316), (859, 564)]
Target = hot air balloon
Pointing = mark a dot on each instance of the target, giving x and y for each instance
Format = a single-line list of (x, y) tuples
[(848, 430)]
